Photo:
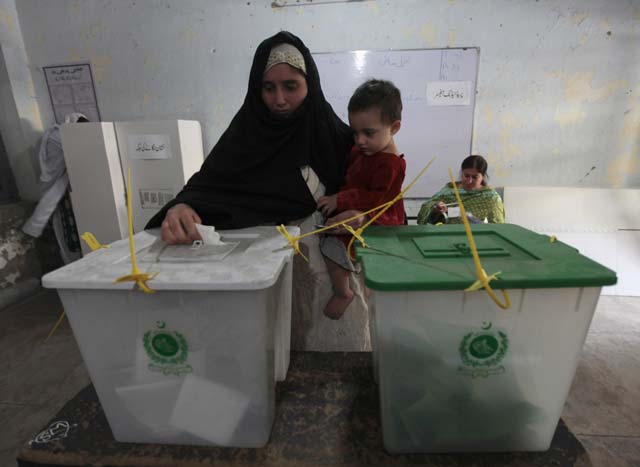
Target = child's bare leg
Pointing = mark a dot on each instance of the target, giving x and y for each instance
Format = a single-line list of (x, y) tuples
[(342, 293)]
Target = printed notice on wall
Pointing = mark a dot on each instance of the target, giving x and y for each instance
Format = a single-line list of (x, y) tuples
[(149, 146), (71, 90), (449, 93)]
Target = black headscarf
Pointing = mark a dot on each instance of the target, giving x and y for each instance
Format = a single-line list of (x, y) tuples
[(252, 175)]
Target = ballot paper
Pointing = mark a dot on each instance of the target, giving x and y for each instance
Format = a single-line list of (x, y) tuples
[(210, 248), (454, 212)]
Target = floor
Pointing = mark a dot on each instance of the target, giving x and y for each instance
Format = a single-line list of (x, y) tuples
[(603, 408)]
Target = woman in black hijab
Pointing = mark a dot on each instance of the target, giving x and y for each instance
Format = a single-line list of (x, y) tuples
[(253, 174)]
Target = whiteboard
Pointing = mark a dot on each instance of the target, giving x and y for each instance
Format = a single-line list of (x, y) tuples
[(438, 89)]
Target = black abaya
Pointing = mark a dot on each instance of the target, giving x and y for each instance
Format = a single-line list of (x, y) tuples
[(252, 175)]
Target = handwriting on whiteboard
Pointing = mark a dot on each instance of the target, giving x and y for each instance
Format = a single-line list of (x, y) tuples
[(392, 61), (449, 93), (149, 147)]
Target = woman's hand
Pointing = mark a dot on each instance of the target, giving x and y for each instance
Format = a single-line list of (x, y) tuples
[(354, 224), (440, 207), (327, 204), (179, 225)]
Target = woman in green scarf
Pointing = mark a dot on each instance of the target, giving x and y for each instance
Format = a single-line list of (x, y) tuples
[(480, 201)]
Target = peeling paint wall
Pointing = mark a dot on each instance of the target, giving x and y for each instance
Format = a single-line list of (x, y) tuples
[(559, 81), (18, 258), (23, 259)]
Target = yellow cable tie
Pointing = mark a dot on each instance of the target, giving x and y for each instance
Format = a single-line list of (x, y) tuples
[(136, 276), (92, 242), (383, 208), (55, 326), (507, 301), (293, 241), (484, 284), (477, 285), (480, 283), (140, 276), (140, 280), (399, 196), (483, 279), (337, 224), (356, 234)]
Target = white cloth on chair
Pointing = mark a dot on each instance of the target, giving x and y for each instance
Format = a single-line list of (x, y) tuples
[(53, 172), (46, 206), (310, 328)]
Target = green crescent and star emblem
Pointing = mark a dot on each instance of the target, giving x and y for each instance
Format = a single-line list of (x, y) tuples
[(481, 352), (168, 350)]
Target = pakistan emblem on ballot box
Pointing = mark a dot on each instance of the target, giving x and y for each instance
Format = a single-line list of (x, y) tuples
[(481, 352), (167, 350)]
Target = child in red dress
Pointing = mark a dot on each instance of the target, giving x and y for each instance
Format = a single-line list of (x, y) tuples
[(374, 176)]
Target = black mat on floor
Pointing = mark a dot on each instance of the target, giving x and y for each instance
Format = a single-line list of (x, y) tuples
[(327, 414)]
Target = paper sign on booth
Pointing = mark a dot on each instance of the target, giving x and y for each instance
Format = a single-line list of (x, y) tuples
[(149, 147)]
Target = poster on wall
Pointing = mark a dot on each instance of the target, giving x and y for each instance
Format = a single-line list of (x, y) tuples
[(71, 90)]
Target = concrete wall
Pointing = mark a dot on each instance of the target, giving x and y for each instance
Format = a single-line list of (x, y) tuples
[(20, 122), (559, 81)]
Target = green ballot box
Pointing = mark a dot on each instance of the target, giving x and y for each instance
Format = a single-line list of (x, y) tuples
[(457, 372)]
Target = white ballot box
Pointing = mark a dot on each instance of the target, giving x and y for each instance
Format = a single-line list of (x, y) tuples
[(196, 361)]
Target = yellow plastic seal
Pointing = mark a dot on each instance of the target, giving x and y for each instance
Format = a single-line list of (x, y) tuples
[(140, 278), (355, 234), (483, 278), (293, 241), (390, 203), (92, 242)]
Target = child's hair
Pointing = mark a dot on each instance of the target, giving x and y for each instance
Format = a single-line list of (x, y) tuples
[(381, 94)]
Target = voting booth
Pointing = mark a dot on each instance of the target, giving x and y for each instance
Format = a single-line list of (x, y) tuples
[(162, 156)]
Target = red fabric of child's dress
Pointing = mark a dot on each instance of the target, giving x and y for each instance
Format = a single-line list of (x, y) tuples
[(371, 181)]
